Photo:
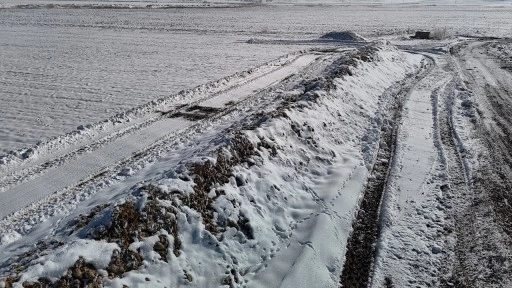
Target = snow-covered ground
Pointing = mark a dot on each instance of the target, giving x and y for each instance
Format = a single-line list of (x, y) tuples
[(443, 217), (414, 210), (235, 3), (61, 68), (269, 175)]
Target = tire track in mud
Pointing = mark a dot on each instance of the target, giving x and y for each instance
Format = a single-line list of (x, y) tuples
[(360, 255)]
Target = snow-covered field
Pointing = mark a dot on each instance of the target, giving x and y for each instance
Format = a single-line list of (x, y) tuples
[(61, 68), (296, 161)]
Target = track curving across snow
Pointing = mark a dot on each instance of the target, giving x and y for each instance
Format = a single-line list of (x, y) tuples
[(445, 219), (11, 175), (411, 249), (359, 259)]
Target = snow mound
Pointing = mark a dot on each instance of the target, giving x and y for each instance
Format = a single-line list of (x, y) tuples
[(274, 206), (342, 36)]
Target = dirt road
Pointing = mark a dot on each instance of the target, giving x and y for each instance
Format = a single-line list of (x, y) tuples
[(445, 216)]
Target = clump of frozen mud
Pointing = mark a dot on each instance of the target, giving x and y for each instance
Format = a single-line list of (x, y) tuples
[(342, 36)]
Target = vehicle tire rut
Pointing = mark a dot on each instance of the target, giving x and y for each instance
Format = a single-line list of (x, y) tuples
[(16, 177), (361, 247)]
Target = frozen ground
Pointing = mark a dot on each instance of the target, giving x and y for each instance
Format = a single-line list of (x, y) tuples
[(61, 68)]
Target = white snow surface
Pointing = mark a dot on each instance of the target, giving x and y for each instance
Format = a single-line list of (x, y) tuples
[(62, 68), (90, 164), (300, 203), (95, 252), (235, 3)]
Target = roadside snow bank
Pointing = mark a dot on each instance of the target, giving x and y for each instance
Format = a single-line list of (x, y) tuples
[(342, 129), (272, 205)]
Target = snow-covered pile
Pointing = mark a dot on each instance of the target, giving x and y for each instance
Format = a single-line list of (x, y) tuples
[(270, 205), (342, 36)]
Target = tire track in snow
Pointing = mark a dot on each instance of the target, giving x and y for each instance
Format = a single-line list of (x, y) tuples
[(447, 235), (412, 248), (483, 242), (360, 253)]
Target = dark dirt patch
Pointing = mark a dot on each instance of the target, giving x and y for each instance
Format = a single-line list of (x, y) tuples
[(342, 36), (203, 109), (189, 116), (9, 281), (122, 261), (232, 279), (161, 246), (129, 224), (17, 266), (194, 113), (388, 283), (188, 276), (208, 173), (85, 219)]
